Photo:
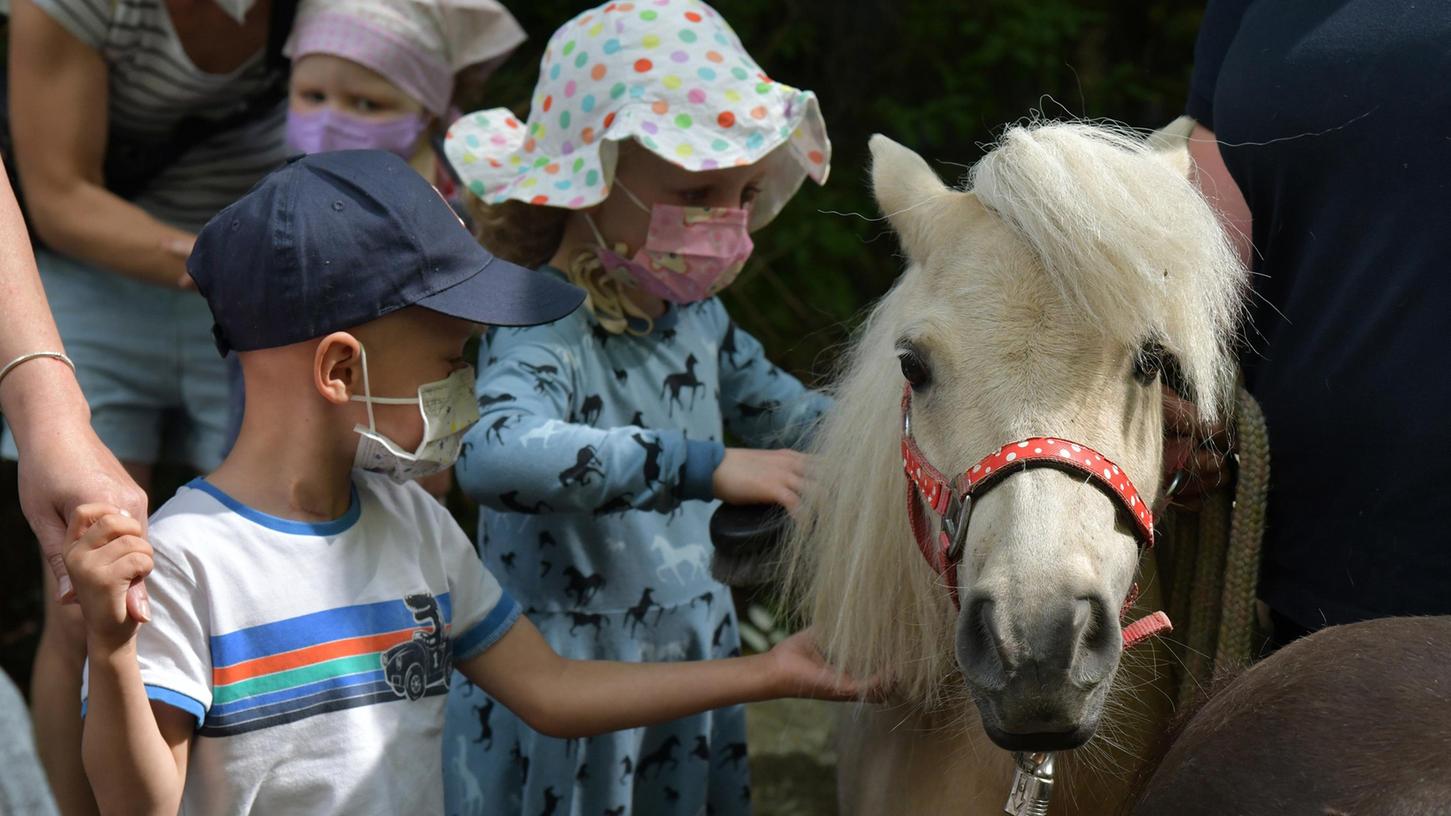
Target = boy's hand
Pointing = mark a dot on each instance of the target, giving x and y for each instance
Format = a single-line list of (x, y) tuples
[(105, 557), (748, 476), (803, 672)]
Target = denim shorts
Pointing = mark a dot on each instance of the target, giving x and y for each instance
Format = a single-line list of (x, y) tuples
[(145, 360)]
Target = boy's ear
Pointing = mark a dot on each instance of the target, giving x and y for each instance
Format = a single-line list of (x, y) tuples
[(337, 367)]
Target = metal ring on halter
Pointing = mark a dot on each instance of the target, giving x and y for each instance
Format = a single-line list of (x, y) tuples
[(1176, 483)]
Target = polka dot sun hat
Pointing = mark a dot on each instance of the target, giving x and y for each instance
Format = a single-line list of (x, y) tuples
[(670, 74)]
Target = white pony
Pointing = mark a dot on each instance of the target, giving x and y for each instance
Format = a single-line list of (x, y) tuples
[(1035, 303)]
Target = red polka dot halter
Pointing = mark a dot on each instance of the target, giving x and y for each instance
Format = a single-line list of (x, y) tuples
[(950, 499)]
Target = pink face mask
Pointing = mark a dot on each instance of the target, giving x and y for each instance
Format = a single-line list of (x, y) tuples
[(690, 253), (328, 129)]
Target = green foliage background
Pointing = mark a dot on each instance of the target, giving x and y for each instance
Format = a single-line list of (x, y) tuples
[(940, 77)]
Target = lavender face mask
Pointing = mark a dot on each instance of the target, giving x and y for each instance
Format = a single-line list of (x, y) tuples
[(328, 129)]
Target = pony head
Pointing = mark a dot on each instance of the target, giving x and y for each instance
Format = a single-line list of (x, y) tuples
[(1036, 302)]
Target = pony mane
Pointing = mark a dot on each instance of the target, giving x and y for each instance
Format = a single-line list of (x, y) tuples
[(1126, 238)]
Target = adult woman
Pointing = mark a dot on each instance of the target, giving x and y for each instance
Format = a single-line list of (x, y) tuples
[(133, 123), (1318, 140)]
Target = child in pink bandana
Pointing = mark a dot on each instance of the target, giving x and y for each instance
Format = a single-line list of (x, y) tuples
[(381, 73)]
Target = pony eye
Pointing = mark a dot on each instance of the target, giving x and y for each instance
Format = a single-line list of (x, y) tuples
[(914, 369), (1147, 364)]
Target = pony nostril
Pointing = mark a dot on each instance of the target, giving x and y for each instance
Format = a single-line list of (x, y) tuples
[(993, 628), (1097, 639), (1095, 632), (982, 653)]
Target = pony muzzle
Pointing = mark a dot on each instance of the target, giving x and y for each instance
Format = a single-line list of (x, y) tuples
[(1039, 680)]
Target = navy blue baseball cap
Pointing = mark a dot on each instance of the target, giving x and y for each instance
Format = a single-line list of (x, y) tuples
[(333, 240)]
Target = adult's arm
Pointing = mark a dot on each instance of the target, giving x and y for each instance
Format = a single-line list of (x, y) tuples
[(58, 97), (63, 465), (1218, 187)]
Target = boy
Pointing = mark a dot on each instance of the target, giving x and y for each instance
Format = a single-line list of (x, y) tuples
[(304, 617)]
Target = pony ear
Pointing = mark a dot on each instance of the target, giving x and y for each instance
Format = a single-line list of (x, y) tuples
[(1171, 144), (901, 182)]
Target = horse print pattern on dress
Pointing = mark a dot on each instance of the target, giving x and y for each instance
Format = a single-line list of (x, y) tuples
[(582, 587), (590, 409), (651, 469), (544, 375), (658, 758), (637, 613), (702, 748), (586, 464), (486, 734), (735, 753), (487, 401), (495, 433), (521, 762), (593, 620), (511, 501), (682, 381)]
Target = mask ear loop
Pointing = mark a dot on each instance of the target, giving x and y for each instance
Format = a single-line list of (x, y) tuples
[(368, 399), (600, 239), (596, 230), (631, 195)]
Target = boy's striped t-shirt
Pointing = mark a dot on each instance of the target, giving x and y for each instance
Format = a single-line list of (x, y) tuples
[(314, 657)]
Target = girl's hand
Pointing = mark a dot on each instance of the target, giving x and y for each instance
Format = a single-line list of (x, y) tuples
[(803, 672), (749, 476), (104, 561)]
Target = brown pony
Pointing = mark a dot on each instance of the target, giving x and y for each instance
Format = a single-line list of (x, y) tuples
[(1352, 721)]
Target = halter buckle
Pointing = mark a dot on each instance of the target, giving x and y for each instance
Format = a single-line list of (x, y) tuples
[(954, 524)]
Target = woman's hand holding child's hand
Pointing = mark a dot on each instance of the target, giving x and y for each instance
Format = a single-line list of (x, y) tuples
[(106, 554), (804, 672), (749, 476)]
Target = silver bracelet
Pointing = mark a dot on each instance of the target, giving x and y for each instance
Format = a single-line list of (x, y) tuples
[(35, 355)]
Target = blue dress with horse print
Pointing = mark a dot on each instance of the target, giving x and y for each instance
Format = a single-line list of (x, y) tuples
[(593, 462)]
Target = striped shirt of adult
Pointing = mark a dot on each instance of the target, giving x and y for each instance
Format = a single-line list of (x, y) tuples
[(153, 85)]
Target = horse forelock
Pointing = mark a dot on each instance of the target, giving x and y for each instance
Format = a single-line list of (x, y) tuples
[(1127, 239)]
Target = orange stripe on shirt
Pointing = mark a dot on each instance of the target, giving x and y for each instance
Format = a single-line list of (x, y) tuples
[(308, 656)]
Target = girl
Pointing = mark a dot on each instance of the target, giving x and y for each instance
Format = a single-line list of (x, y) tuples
[(654, 144), (381, 73)]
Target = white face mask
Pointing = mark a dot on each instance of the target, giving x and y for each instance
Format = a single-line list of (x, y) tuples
[(449, 409)]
